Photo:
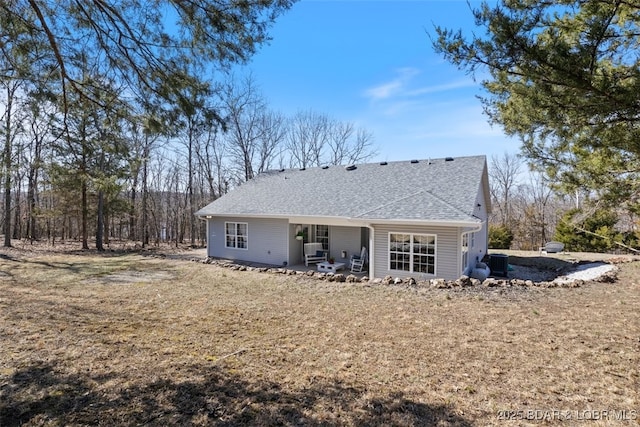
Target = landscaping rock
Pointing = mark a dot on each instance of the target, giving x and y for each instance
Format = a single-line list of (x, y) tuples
[(571, 280), (339, 277), (573, 284), (490, 283), (439, 283), (608, 277), (463, 281)]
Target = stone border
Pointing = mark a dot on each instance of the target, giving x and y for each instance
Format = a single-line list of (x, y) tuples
[(462, 282)]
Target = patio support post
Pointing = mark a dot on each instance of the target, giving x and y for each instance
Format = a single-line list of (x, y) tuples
[(372, 249)]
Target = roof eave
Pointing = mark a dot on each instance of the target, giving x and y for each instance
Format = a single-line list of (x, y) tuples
[(339, 220), (426, 222)]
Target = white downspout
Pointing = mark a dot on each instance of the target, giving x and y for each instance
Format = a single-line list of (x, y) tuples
[(371, 250), (208, 220)]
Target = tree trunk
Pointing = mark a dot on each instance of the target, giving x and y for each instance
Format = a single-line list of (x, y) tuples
[(192, 225), (31, 200), (106, 236), (145, 198), (7, 170), (100, 226), (17, 211), (85, 216), (33, 176), (7, 201), (132, 210)]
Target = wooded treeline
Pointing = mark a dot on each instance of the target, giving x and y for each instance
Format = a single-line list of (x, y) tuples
[(115, 121), (127, 173), (564, 79), (119, 119), (529, 210)]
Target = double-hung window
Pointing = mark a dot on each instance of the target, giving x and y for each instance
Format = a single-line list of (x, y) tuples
[(322, 236), (236, 235), (415, 253)]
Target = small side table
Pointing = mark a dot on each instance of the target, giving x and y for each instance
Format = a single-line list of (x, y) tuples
[(331, 268)]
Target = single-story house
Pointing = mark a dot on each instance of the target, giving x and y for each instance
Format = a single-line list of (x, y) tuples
[(418, 218)]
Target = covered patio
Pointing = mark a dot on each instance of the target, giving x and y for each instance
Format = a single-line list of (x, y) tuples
[(297, 268), (337, 242)]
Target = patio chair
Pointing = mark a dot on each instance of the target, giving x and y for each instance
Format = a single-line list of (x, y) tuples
[(358, 261), (313, 252)]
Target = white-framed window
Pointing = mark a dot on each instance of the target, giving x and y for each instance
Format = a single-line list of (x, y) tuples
[(322, 236), (465, 250), (415, 253), (236, 235)]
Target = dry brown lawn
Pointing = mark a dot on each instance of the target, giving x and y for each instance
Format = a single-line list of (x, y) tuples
[(127, 339)]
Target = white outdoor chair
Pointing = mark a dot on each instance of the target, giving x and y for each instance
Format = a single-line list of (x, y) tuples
[(358, 261), (313, 252)]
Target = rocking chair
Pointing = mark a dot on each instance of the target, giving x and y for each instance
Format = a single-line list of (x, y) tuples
[(358, 262)]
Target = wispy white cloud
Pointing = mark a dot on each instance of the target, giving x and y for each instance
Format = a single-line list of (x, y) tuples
[(407, 93), (459, 84), (413, 129), (394, 87), (429, 113)]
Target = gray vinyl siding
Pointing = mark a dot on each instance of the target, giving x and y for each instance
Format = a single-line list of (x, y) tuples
[(267, 240), (447, 251), (344, 239)]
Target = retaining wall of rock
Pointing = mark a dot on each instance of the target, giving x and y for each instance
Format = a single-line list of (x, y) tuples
[(461, 282)]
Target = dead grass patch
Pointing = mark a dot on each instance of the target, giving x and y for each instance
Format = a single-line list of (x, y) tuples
[(188, 343)]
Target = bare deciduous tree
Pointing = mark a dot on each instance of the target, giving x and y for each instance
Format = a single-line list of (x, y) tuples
[(254, 133), (504, 174), (314, 139)]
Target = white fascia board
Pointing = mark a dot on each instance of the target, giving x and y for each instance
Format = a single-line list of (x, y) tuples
[(211, 216), (296, 219), (472, 224), (344, 221), (325, 220)]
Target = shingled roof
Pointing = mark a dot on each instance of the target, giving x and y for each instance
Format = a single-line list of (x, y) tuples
[(435, 190)]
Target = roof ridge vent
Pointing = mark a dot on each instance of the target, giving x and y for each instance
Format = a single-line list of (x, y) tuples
[(414, 161), (351, 167), (448, 159)]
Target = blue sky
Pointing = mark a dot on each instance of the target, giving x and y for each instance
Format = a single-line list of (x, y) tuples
[(371, 63)]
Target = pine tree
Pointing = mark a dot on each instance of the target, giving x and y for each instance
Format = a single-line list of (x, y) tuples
[(564, 77)]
